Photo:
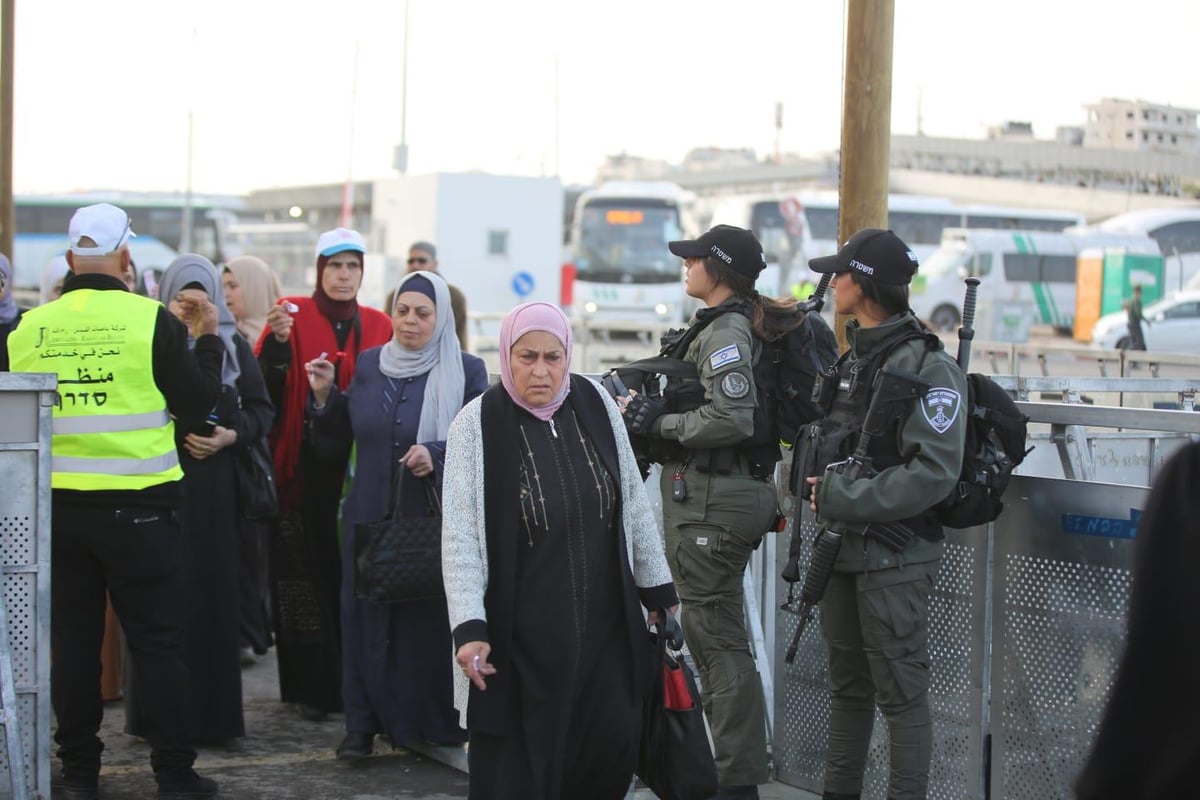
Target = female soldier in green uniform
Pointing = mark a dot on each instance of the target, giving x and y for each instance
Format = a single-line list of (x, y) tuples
[(875, 614), (718, 493)]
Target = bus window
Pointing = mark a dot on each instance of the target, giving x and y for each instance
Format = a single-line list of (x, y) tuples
[(1021, 267), (1178, 237), (768, 225), (628, 239), (1015, 222), (920, 227), (822, 222), (1058, 269)]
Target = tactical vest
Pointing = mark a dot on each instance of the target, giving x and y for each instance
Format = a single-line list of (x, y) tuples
[(686, 393), (111, 429), (844, 394)]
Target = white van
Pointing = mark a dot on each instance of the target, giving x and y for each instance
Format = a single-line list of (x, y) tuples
[(1029, 273)]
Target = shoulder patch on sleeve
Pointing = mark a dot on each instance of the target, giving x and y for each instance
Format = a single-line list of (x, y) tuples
[(941, 406), (735, 385), (724, 357)]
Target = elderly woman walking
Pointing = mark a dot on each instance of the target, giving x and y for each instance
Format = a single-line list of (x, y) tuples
[(396, 676), (550, 552)]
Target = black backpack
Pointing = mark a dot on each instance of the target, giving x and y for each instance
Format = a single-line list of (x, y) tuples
[(995, 446), (786, 370)]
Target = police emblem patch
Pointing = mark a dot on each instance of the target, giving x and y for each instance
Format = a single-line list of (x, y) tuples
[(735, 385), (724, 357), (941, 407)]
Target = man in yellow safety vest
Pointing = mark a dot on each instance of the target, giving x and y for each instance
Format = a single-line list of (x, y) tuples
[(126, 380)]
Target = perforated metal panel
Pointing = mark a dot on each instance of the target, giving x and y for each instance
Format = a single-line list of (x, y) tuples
[(25, 417), (956, 696), (1060, 608)]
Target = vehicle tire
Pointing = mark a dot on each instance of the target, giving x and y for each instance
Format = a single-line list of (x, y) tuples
[(944, 318), (1123, 343)]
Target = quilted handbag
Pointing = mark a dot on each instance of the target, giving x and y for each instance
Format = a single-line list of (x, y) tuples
[(399, 559)]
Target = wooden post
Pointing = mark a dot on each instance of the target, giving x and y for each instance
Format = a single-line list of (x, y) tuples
[(866, 122), (7, 40)]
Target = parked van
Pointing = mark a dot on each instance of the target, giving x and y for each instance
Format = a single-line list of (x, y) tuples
[(1032, 273)]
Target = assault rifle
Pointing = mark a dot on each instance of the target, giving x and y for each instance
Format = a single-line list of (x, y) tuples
[(892, 389)]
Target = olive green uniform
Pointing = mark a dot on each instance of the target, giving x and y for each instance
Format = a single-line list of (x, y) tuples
[(710, 535), (875, 613)]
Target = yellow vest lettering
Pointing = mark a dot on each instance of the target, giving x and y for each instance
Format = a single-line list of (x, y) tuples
[(111, 426)]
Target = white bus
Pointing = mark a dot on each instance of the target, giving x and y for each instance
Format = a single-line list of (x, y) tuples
[(920, 220), (619, 267), (1032, 272), (1177, 231)]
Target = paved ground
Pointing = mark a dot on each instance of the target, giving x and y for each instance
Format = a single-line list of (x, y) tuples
[(285, 758)]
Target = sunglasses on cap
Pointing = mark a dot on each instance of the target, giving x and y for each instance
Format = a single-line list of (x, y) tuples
[(419, 260)]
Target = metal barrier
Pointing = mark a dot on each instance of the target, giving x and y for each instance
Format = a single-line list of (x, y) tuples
[(1026, 627), (26, 402)]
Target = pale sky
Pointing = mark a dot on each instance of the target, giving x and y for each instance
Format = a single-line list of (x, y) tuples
[(104, 87)]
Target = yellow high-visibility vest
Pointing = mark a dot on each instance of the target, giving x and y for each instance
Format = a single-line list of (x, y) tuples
[(111, 426)]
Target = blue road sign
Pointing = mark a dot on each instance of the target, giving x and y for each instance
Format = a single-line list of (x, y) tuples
[(522, 284)]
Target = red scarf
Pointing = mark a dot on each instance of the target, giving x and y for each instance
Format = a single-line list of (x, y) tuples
[(313, 334)]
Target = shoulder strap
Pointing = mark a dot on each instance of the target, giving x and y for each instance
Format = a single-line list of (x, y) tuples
[(703, 320)]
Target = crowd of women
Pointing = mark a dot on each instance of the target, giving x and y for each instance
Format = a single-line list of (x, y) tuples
[(553, 562)]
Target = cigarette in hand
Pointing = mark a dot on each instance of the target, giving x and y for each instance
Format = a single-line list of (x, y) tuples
[(475, 663), (291, 307), (322, 356)]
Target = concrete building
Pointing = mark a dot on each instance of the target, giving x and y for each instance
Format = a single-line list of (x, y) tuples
[(1139, 125)]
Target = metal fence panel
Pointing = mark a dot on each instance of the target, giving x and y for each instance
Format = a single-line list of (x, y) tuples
[(25, 418), (1062, 584)]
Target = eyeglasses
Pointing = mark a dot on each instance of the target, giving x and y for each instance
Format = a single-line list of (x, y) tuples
[(421, 260)]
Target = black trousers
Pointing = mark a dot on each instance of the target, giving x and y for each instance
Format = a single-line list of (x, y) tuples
[(136, 554)]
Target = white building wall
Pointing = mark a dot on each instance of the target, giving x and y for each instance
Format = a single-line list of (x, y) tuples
[(458, 212)]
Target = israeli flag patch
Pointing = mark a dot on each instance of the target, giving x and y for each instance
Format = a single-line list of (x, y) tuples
[(724, 357), (941, 408)]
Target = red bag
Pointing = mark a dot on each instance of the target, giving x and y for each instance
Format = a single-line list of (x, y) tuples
[(674, 759), (676, 694)]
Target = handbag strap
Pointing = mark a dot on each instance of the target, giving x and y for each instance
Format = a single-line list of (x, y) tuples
[(431, 494)]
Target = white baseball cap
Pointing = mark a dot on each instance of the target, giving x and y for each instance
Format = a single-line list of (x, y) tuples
[(105, 224), (339, 240)]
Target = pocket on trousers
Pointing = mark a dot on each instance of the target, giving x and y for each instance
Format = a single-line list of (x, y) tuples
[(899, 631), (702, 558)]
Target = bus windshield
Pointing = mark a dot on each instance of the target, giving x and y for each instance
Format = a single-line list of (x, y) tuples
[(946, 260), (625, 241)]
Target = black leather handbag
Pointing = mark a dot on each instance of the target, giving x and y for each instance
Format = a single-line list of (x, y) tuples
[(399, 559), (674, 757), (258, 499)]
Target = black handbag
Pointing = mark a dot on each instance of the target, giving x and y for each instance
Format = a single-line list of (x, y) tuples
[(674, 757), (258, 499), (399, 558)]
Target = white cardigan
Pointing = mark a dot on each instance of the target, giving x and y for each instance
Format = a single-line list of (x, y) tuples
[(464, 540)]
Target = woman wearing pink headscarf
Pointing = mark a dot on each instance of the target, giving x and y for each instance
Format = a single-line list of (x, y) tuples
[(550, 552)]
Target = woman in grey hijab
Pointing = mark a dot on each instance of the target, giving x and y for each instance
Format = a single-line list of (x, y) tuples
[(209, 517), (396, 413)]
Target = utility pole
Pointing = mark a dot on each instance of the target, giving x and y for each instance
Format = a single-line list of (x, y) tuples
[(7, 40), (866, 122), (400, 157)]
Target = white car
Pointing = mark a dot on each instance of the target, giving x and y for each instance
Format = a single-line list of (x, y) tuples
[(1174, 325)]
